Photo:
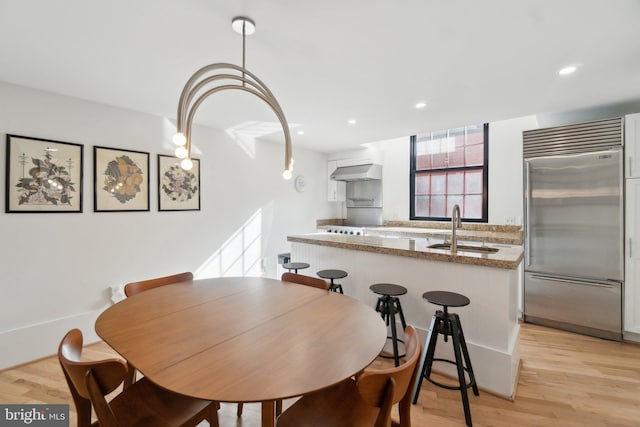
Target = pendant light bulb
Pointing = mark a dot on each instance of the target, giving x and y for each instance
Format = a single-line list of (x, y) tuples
[(179, 139), (287, 174), (181, 153), (186, 164)]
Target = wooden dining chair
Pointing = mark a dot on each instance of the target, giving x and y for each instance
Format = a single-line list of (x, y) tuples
[(144, 285), (363, 401), (141, 404), (305, 280)]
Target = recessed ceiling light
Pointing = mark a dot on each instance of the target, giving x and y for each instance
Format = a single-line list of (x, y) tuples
[(570, 69), (421, 104), (352, 121), (300, 132)]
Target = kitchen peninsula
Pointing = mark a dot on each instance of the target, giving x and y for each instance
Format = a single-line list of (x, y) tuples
[(490, 280)]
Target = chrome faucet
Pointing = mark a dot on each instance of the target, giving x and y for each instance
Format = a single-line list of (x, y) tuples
[(456, 222)]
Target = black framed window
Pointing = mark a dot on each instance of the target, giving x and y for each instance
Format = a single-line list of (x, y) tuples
[(450, 167)]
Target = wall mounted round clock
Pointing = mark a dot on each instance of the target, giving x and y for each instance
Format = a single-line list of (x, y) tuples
[(299, 183)]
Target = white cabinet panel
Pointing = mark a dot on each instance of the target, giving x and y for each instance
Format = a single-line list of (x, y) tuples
[(632, 145), (632, 261), (336, 190)]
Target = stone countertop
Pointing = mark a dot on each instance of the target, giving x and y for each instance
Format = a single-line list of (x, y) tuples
[(507, 257), (474, 232)]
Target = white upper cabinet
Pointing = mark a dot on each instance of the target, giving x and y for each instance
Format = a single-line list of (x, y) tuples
[(632, 145), (336, 190)]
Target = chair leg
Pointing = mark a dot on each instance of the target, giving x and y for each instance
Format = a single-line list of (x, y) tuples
[(213, 416), (278, 407), (427, 357), (455, 335), (239, 409)]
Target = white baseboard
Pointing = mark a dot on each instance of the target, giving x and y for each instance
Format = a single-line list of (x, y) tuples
[(34, 342), (631, 336), (495, 371)]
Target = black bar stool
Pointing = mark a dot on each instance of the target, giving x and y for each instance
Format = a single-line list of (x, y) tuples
[(295, 266), (332, 275), (448, 324), (388, 305)]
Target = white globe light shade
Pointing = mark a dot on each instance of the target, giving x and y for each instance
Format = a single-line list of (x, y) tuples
[(186, 164), (287, 174), (179, 139), (181, 153)]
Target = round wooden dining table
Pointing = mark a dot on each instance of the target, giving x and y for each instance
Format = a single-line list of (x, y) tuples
[(243, 339)]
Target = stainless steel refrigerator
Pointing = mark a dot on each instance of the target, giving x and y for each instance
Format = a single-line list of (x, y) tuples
[(573, 209)]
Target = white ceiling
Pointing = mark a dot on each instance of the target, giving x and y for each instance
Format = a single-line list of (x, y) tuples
[(331, 60)]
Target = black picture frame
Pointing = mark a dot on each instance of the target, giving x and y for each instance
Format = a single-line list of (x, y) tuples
[(120, 180), (178, 190), (43, 175)]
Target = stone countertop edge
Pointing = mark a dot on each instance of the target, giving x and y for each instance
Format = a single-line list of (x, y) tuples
[(508, 258)]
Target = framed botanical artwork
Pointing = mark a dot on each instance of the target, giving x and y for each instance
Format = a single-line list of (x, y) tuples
[(179, 189), (43, 175), (121, 180)]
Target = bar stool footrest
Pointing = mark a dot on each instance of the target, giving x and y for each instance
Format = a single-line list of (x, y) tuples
[(448, 387)]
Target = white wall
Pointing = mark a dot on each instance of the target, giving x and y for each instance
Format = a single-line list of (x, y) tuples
[(56, 270), (505, 169)]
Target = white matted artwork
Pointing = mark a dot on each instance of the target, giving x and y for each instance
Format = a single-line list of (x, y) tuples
[(121, 180), (178, 189)]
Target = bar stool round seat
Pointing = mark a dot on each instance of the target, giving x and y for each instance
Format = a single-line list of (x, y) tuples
[(448, 325), (446, 299), (333, 275), (295, 266), (388, 305)]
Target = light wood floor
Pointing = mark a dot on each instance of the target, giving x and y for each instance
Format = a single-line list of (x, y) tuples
[(565, 380)]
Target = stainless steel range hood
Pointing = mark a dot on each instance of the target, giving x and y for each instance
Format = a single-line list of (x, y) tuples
[(357, 173)]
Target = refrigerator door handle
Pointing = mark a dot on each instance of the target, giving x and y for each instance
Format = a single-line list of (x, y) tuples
[(527, 203), (577, 282)]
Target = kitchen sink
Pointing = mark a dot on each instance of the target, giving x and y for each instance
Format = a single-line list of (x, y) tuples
[(465, 248)]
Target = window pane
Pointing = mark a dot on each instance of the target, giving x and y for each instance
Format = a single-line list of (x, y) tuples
[(422, 206), (439, 161), (423, 184), (455, 183), (456, 157), (455, 200), (473, 182), (472, 207), (475, 135), (423, 162), (423, 156), (475, 155), (438, 206), (439, 183)]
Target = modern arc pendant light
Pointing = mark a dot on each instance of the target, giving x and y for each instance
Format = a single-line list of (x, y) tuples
[(219, 77)]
